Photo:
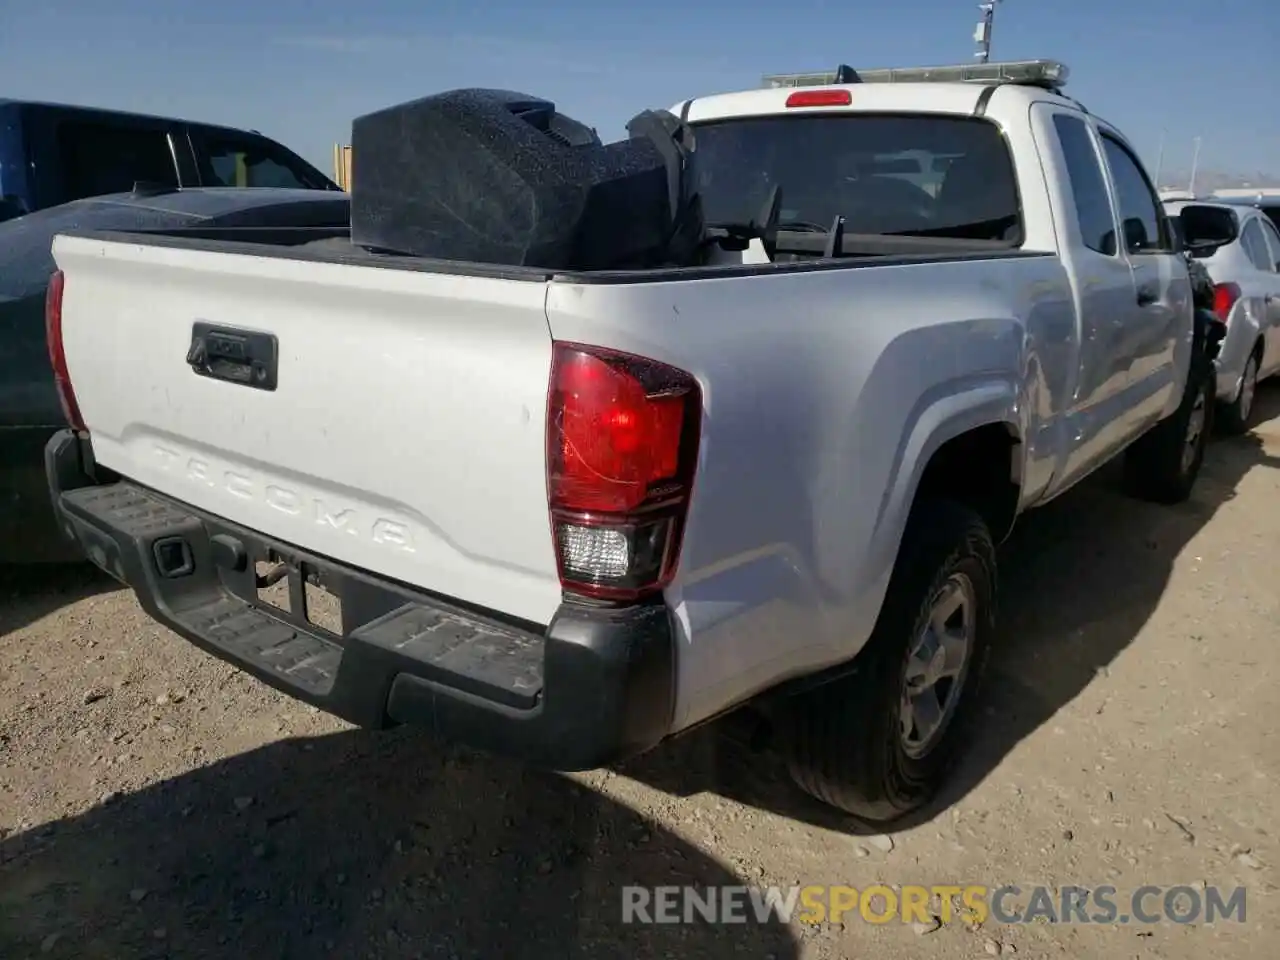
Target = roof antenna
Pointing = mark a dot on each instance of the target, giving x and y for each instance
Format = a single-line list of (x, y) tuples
[(982, 33)]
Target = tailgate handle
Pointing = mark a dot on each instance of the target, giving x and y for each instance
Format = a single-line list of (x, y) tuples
[(244, 357)]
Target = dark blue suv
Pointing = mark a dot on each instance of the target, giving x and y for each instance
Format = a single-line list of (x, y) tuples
[(52, 153)]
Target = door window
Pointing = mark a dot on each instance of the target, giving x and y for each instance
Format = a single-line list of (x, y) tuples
[(1144, 227), (1255, 245), (1088, 187), (1272, 210), (1273, 240), (99, 158), (243, 162)]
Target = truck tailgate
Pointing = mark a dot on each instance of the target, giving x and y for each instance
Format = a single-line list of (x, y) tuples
[(405, 433)]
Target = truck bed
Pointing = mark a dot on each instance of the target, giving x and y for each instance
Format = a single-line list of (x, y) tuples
[(315, 245)]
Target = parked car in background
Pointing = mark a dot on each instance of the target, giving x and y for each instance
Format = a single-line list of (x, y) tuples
[(54, 153), (1271, 207), (1267, 200), (1239, 245), (29, 407)]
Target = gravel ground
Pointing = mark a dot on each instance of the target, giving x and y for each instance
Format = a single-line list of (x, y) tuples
[(156, 803)]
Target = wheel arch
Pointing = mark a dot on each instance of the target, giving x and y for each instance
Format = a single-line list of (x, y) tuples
[(980, 468)]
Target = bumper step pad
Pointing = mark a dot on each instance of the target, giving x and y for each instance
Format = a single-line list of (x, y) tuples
[(594, 686), (480, 657)]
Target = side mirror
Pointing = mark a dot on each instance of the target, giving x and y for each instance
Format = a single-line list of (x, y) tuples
[(1206, 228)]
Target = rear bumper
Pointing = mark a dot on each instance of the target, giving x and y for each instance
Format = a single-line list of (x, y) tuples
[(1242, 336), (594, 687)]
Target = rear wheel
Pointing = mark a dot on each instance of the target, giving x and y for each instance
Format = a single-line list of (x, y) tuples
[(879, 742), (1162, 465), (1233, 417)]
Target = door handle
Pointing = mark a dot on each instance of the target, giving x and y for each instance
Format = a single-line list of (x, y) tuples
[(1147, 294), (244, 357)]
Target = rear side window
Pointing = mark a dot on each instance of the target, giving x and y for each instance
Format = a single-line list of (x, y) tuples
[(1144, 227), (1272, 211), (228, 161), (1273, 238), (1088, 187), (100, 158), (917, 175), (1255, 245)]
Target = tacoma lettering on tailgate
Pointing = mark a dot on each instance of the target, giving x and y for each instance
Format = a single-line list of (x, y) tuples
[(325, 512)]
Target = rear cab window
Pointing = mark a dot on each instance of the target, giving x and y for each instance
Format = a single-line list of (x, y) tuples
[(919, 175)]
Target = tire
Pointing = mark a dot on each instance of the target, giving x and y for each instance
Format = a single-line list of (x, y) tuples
[(1162, 465), (1233, 417), (845, 741)]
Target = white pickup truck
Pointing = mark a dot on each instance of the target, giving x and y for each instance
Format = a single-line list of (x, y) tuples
[(566, 516)]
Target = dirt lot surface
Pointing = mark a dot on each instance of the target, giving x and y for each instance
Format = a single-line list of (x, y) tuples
[(156, 803)]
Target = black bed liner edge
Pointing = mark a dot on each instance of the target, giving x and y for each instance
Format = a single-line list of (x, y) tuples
[(240, 247)]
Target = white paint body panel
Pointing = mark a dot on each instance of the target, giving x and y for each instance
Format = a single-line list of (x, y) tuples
[(418, 400), (809, 458), (407, 435)]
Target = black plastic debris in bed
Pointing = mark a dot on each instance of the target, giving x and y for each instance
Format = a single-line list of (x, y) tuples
[(494, 176)]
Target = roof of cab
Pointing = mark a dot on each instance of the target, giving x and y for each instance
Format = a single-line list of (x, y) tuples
[(961, 98), (127, 114)]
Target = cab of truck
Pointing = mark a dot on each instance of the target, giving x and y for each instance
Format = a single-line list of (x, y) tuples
[(53, 153)]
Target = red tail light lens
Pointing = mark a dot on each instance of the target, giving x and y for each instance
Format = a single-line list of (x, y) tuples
[(622, 446), (1225, 296), (820, 98), (57, 355)]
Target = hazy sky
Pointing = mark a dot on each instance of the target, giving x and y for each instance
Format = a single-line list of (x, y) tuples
[(299, 70)]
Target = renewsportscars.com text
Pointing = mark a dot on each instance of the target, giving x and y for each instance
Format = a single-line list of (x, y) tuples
[(971, 903)]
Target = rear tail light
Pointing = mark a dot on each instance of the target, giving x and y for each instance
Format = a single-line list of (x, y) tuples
[(622, 445), (820, 98), (1225, 296), (57, 355)]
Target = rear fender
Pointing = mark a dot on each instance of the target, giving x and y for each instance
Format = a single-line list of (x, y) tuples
[(948, 411)]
